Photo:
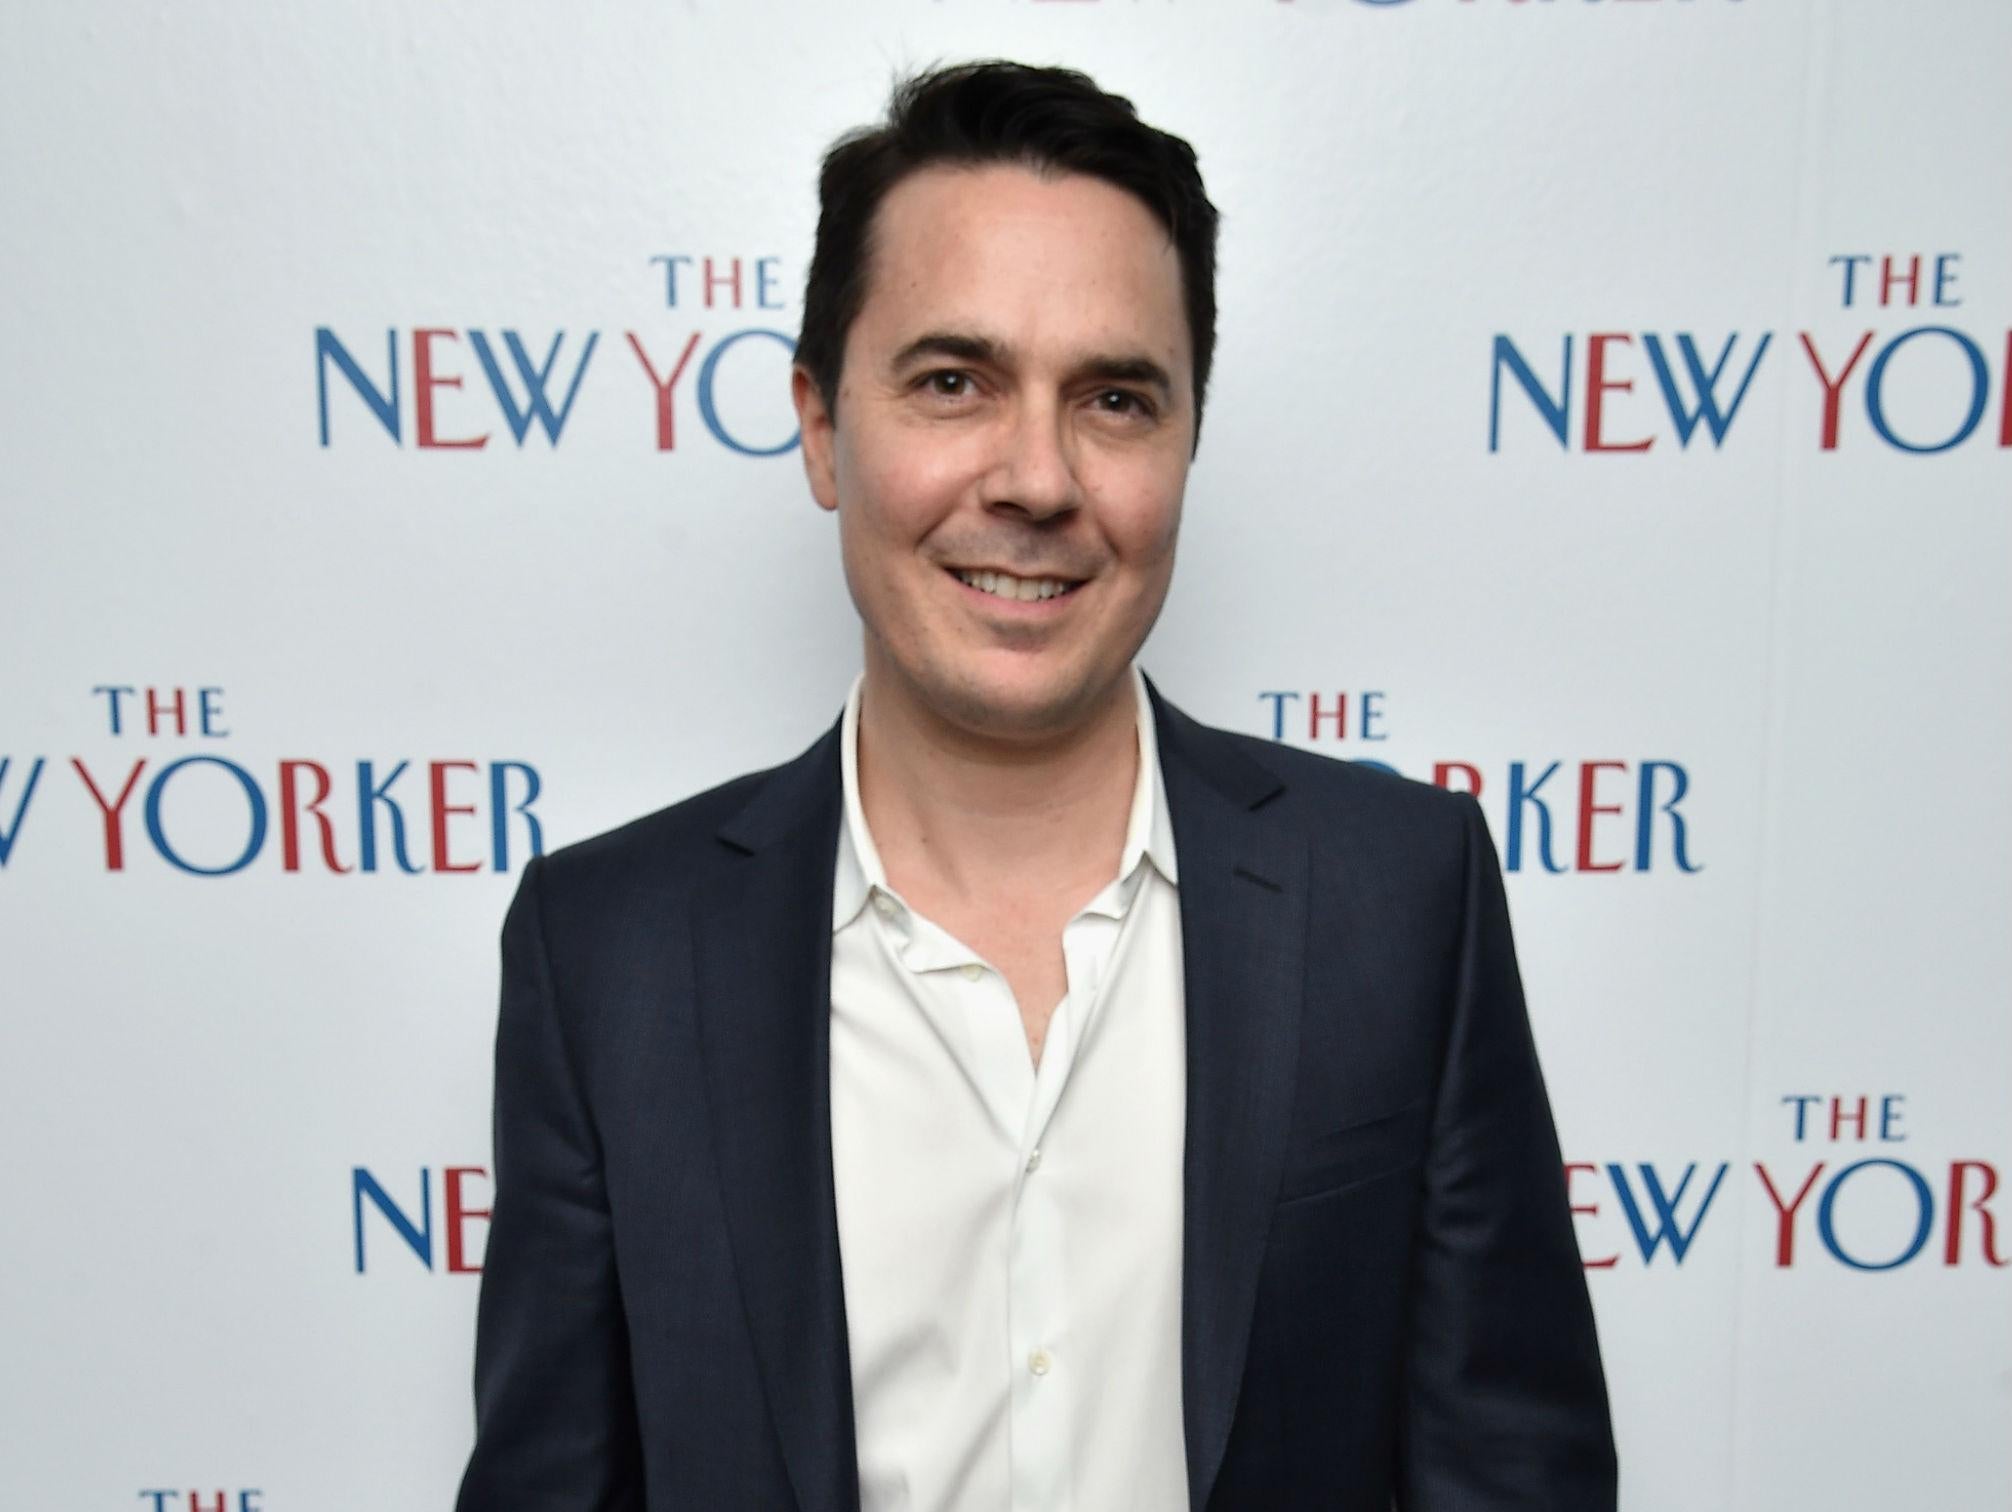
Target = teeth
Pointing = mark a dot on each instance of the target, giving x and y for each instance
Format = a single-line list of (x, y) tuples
[(1004, 585)]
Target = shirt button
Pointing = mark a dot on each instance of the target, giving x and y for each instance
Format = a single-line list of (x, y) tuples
[(883, 905), (1034, 1161), (973, 971), (1039, 1362)]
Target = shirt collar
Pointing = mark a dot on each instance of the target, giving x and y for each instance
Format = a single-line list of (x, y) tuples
[(1149, 831)]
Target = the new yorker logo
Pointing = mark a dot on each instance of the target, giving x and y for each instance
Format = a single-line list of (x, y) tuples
[(1555, 814), (1865, 1205), (1920, 387), (181, 802), (450, 388)]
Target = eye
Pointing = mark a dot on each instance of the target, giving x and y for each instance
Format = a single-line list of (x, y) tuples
[(947, 383), (1117, 401)]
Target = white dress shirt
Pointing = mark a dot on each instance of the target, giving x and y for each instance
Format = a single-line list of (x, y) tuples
[(1011, 1236)]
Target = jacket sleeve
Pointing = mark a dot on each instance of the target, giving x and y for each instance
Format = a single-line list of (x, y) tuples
[(554, 1406), (1505, 1402)]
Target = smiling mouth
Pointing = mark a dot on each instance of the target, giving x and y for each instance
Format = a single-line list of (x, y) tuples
[(1006, 586)]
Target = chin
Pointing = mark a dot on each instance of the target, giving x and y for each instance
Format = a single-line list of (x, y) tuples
[(1025, 705)]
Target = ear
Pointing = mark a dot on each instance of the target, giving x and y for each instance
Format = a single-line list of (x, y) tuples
[(816, 426)]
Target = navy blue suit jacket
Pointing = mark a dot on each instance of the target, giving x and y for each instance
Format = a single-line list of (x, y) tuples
[(1382, 1298)]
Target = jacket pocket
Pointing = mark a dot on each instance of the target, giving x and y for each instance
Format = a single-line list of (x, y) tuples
[(1375, 1146)]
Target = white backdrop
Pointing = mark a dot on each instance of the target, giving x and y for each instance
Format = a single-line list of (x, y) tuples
[(1473, 251)]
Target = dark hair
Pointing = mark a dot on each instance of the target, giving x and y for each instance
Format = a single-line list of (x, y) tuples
[(974, 113)]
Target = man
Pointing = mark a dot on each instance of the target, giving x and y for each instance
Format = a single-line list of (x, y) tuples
[(1026, 1098)]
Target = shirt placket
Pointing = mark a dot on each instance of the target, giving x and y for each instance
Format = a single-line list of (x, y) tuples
[(1046, 1370)]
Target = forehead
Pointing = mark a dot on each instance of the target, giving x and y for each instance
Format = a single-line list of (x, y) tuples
[(1043, 261)]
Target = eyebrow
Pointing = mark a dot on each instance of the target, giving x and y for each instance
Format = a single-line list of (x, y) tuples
[(965, 347)]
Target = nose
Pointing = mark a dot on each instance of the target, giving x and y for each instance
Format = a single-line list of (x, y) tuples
[(1035, 475)]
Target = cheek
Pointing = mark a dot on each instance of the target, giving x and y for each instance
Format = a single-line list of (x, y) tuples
[(889, 503), (1145, 525), (897, 494)]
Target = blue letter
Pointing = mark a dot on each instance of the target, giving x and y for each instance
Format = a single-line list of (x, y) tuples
[(1801, 1107), (534, 378), (420, 1239), (670, 277), (1667, 1225), (326, 347), (499, 818), (1980, 383), (208, 711), (368, 796), (160, 839), (1850, 262), (1278, 712), (1889, 1116), (20, 809), (1706, 384), (711, 416), (1553, 411), (1645, 818), (1520, 794), (1922, 1196), (1945, 276), (112, 697)]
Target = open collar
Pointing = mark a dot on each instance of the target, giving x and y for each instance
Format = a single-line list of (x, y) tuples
[(858, 871)]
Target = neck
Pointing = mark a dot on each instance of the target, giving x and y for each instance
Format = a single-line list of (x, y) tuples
[(973, 816)]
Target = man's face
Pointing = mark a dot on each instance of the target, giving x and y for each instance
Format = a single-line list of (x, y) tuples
[(1011, 439)]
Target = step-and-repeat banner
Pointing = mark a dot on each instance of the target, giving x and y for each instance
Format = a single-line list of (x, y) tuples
[(1611, 419)]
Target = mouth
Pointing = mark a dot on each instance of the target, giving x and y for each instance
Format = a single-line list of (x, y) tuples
[(1005, 585)]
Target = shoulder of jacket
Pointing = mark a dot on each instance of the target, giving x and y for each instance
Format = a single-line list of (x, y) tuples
[(653, 849), (1317, 785)]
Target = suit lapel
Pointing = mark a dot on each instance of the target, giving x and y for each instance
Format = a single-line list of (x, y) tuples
[(762, 948), (1243, 894)]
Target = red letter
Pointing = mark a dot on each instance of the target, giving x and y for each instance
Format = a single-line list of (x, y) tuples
[(1339, 716), (2005, 424), (1953, 1250), (424, 384), (1597, 383), (155, 709), (666, 436), (1589, 774), (1784, 1247), (714, 280), (289, 819), (1442, 770), (1833, 388), (457, 1215), (1887, 280), (1590, 1209), (115, 850), (441, 809), (195, 1504), (1839, 1118)]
